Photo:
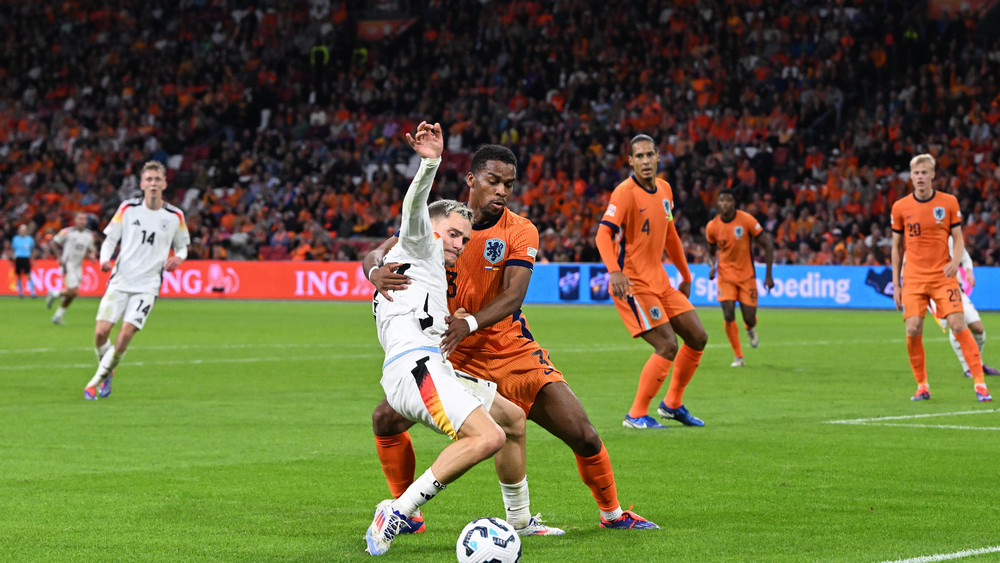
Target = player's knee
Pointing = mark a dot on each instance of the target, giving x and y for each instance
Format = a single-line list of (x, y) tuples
[(977, 327), (386, 421), (71, 293), (587, 442), (698, 340), (667, 349), (493, 441), (914, 331)]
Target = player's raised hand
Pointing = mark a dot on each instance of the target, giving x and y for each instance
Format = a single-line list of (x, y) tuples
[(385, 279), (620, 285), (428, 142)]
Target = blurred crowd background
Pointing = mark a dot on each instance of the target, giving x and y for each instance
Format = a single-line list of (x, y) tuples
[(281, 121)]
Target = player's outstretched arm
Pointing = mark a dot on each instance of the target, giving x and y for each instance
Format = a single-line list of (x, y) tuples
[(508, 302), (713, 260), (384, 276)]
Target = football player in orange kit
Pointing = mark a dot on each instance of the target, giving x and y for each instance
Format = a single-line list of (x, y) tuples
[(729, 235), (923, 220), (488, 337), (635, 230)]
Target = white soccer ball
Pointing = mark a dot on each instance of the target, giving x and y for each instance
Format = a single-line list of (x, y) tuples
[(488, 540)]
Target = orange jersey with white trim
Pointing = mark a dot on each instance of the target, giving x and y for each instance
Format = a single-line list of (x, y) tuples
[(640, 221), (477, 277), (925, 226), (733, 238)]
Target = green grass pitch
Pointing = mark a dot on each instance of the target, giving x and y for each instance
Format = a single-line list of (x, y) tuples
[(241, 431)]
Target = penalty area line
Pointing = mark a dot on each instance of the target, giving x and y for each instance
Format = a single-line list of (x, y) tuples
[(947, 556), (907, 417)]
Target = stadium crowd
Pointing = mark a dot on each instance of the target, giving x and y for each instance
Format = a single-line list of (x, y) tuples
[(281, 125)]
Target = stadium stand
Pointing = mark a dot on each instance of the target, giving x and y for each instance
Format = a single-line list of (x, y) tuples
[(280, 121)]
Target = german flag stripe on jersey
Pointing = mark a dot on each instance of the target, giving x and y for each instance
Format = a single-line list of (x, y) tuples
[(429, 395)]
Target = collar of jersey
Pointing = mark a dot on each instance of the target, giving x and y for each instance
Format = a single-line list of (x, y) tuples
[(643, 188), (489, 222), (933, 193)]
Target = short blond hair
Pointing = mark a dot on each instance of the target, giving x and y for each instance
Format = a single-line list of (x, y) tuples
[(154, 165), (922, 158)]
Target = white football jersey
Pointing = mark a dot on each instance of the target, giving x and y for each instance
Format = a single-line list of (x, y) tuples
[(146, 239), (76, 244), (415, 316)]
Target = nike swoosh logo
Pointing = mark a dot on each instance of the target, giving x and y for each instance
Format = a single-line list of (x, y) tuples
[(602, 489), (643, 210)]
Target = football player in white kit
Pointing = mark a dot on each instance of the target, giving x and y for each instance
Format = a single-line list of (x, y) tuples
[(72, 244), (419, 382), (967, 281), (148, 229)]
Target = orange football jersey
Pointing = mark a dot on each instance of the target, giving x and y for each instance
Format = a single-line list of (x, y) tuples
[(733, 240), (925, 226), (477, 277), (640, 221)]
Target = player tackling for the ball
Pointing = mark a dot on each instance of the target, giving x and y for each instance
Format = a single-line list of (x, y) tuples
[(419, 383)]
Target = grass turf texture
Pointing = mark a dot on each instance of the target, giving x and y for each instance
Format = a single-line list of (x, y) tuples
[(241, 431)]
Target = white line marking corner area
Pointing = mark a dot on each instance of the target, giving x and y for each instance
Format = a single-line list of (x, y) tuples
[(947, 556), (890, 421)]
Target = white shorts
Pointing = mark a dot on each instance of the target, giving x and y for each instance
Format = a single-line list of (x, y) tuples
[(133, 307), (72, 276), (969, 310), (423, 387)]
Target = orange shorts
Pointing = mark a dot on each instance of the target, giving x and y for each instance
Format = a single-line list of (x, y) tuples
[(743, 291), (645, 311), (946, 294), (520, 373)]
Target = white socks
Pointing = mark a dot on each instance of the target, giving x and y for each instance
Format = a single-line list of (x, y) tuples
[(613, 515), (108, 363), (515, 500), (102, 349), (422, 490)]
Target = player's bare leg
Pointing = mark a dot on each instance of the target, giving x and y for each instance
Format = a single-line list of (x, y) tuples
[(688, 326), (750, 321), (732, 332)]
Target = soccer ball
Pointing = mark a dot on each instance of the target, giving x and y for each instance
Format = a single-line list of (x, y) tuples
[(488, 540)]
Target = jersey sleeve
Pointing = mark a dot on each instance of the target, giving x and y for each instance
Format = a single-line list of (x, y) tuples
[(113, 233), (60, 237), (415, 232), (710, 229), (896, 219), (523, 246), (182, 238), (753, 226), (954, 214), (618, 207)]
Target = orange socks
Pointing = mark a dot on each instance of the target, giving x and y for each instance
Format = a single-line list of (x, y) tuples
[(597, 474), (684, 366), (970, 350), (733, 334), (915, 348), (398, 461), (653, 373)]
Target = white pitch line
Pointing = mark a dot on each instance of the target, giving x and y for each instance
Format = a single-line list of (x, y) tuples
[(195, 361), (945, 426), (947, 556), (907, 417)]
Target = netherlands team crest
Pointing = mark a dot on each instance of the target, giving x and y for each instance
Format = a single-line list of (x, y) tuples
[(666, 209), (939, 214), (738, 231), (655, 312), (494, 250)]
